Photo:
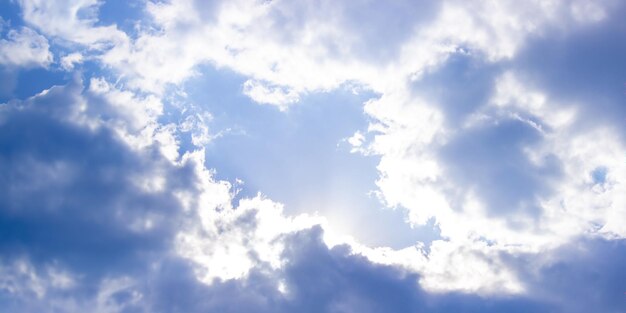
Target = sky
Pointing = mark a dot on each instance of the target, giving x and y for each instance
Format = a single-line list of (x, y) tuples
[(312, 156)]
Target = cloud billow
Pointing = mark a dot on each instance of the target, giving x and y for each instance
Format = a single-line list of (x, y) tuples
[(501, 125)]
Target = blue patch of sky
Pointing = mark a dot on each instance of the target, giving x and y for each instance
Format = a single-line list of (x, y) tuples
[(22, 83), (599, 175), (300, 157), (29, 82), (11, 13), (123, 13)]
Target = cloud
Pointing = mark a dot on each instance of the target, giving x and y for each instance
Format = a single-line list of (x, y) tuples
[(91, 221), (71, 20), (69, 187), (102, 209), (318, 279), (69, 61), (93, 203), (500, 160), (270, 95), (294, 47), (72, 203), (25, 48)]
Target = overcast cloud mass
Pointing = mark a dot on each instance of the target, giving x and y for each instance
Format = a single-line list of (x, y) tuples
[(312, 156)]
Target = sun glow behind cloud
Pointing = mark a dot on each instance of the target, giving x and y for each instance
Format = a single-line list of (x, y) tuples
[(283, 151)]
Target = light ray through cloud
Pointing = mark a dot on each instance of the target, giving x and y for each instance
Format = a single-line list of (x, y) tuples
[(312, 156)]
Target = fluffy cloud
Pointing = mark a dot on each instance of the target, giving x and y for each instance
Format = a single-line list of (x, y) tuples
[(71, 20), (293, 48), (102, 209), (69, 61), (501, 161), (24, 48), (91, 221), (95, 202)]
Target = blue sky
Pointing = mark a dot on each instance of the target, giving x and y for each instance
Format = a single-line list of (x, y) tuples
[(312, 156)]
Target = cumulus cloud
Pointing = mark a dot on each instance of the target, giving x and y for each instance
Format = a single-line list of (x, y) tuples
[(24, 48), (102, 208), (91, 221), (298, 48), (508, 164), (93, 203)]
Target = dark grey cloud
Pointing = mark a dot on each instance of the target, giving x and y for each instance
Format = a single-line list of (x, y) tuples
[(68, 198), (487, 159), (586, 275), (459, 87), (491, 161), (319, 279), (579, 66), (585, 68), (63, 177), (367, 30)]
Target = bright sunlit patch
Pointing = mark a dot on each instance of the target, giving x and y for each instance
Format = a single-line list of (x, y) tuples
[(291, 156)]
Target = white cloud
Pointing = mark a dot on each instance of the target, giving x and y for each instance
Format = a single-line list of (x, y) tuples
[(260, 93), (287, 50), (25, 48), (71, 20), (230, 241), (69, 61), (323, 48), (580, 200), (169, 196), (588, 11), (576, 204), (133, 117), (24, 281), (225, 241), (197, 125)]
